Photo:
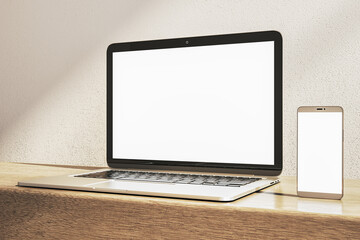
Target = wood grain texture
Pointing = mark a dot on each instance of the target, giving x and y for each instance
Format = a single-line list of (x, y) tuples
[(31, 213)]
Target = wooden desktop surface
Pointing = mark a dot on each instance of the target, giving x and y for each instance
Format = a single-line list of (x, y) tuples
[(273, 213)]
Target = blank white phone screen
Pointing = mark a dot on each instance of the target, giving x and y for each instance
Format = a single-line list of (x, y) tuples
[(205, 104), (320, 152)]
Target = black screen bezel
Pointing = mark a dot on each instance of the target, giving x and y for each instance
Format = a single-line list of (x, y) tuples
[(193, 165)]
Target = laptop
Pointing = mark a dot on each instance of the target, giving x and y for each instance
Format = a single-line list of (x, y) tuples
[(194, 118)]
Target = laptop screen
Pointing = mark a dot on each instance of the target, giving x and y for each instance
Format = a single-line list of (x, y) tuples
[(200, 103)]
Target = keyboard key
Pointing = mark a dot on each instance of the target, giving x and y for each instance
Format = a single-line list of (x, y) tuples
[(221, 184), (184, 181), (235, 185), (208, 183)]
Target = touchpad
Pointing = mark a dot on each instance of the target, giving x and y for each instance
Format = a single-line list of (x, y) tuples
[(108, 185), (128, 185)]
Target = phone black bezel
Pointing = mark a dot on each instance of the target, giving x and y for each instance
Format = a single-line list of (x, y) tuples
[(269, 170)]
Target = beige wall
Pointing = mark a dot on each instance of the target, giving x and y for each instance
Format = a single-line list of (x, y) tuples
[(52, 66)]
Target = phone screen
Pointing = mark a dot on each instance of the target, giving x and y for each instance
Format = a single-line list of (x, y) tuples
[(320, 152)]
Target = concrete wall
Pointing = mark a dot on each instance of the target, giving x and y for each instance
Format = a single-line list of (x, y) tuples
[(52, 66)]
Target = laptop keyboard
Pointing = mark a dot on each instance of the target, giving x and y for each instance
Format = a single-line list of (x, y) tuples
[(212, 180)]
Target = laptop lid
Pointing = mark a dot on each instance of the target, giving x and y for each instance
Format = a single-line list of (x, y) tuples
[(210, 103)]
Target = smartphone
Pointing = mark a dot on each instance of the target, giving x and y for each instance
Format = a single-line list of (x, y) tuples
[(320, 152)]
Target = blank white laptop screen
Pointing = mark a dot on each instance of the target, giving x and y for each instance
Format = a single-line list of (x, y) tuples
[(211, 104)]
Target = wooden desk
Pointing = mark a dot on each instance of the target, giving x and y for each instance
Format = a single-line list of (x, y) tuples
[(274, 213)]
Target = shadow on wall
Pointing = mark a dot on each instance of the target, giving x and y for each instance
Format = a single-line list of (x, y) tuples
[(41, 46)]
